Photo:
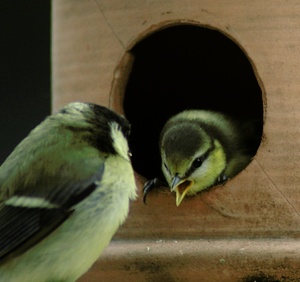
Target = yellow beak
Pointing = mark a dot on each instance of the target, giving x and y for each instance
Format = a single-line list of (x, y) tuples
[(181, 187)]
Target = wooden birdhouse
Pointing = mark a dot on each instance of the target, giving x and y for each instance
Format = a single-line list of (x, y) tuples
[(149, 60)]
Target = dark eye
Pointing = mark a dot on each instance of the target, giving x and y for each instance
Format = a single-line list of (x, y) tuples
[(197, 162), (127, 131)]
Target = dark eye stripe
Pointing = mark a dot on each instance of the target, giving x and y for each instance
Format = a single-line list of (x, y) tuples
[(198, 162), (167, 168)]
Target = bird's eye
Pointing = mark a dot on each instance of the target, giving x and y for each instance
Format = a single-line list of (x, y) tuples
[(127, 131), (197, 162)]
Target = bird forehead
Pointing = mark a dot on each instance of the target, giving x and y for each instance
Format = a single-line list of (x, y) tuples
[(184, 141), (177, 164)]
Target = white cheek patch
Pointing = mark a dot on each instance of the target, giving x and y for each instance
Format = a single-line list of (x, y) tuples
[(30, 202), (119, 141), (203, 170)]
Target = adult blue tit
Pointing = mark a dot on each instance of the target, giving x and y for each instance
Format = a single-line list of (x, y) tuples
[(201, 148), (64, 191)]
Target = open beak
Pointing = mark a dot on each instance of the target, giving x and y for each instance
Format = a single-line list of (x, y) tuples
[(181, 187)]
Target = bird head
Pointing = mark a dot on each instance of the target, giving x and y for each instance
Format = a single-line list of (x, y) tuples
[(191, 159), (99, 126)]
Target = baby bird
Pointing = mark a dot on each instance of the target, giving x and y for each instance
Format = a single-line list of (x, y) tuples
[(201, 148), (64, 191)]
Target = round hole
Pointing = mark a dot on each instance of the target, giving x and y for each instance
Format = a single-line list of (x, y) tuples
[(185, 67)]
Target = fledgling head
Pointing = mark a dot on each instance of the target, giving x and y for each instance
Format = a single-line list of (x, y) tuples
[(191, 159), (202, 148)]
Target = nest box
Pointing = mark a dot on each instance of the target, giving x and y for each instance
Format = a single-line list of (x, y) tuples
[(149, 60)]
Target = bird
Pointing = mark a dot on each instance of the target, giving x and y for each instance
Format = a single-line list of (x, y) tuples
[(203, 148), (64, 192)]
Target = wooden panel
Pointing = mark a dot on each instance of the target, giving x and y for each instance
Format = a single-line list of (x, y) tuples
[(90, 38), (200, 260)]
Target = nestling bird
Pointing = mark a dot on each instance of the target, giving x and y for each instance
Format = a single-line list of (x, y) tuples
[(201, 148), (64, 191)]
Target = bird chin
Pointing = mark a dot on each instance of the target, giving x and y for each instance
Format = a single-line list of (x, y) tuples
[(182, 189)]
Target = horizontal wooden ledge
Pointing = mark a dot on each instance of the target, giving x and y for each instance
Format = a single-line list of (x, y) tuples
[(189, 260)]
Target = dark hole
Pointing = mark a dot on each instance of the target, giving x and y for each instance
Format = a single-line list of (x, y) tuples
[(185, 67)]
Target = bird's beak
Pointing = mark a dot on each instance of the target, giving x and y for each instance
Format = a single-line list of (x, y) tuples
[(181, 187)]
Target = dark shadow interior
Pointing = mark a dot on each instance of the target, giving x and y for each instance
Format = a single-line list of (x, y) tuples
[(185, 67)]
